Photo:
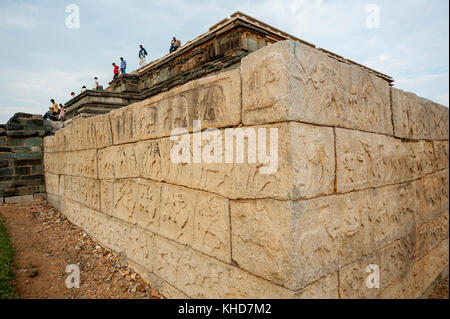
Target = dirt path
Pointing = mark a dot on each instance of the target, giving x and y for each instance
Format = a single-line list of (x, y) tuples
[(45, 242)]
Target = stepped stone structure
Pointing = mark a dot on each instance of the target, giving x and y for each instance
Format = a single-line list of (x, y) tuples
[(220, 49), (361, 181), (21, 158)]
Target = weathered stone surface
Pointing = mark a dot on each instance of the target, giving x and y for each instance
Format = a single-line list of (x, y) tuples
[(200, 276), (197, 219), (441, 154), (107, 197), (305, 167), (118, 162), (263, 240), (53, 162), (292, 81), (400, 288), (394, 262), (50, 144), (432, 195), (52, 183), (431, 234), (135, 201), (85, 191), (125, 200), (295, 243), (418, 118), (367, 160), (334, 231), (81, 163), (427, 269), (84, 134), (149, 205), (215, 100), (194, 218)]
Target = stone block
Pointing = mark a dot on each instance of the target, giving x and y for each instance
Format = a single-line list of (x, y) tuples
[(6, 172), (431, 234), (296, 243), (263, 240), (394, 262), (428, 269), (4, 163), (33, 141), (289, 81), (441, 154), (54, 200), (18, 141), (85, 191), (200, 276), (367, 160), (23, 170), (149, 205), (432, 196), (23, 199), (400, 288), (197, 219), (305, 166), (118, 162), (418, 118), (107, 197), (52, 183), (50, 144), (215, 100), (125, 199), (88, 133), (81, 163), (29, 155)]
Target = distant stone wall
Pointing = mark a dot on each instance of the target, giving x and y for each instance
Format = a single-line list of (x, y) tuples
[(362, 180), (21, 158)]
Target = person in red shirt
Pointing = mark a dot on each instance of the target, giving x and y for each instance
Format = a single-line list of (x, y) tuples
[(116, 71)]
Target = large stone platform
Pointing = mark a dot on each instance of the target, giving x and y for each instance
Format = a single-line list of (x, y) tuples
[(362, 179)]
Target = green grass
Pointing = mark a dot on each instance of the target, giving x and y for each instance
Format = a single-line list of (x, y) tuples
[(7, 290)]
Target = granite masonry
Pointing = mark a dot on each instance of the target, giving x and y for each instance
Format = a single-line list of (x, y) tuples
[(21, 158), (362, 180)]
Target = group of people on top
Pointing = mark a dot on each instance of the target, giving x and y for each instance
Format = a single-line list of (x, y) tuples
[(174, 45), (56, 113)]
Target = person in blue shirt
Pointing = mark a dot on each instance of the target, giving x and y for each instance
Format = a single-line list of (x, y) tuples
[(123, 65), (142, 55)]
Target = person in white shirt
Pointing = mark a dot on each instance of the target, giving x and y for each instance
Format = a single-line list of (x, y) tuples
[(142, 55), (83, 89), (96, 85)]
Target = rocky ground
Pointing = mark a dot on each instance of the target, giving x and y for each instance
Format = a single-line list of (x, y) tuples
[(45, 242)]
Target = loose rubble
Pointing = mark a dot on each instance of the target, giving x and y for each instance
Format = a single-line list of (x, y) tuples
[(45, 242)]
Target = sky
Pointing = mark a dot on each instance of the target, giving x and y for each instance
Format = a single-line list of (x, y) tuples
[(45, 54)]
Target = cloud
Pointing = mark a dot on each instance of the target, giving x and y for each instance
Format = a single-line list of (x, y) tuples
[(430, 86), (31, 91), (21, 16)]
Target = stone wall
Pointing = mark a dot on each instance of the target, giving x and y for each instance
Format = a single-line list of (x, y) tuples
[(21, 158), (362, 179)]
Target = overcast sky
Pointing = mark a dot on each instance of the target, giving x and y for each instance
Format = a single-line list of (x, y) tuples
[(42, 59)]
